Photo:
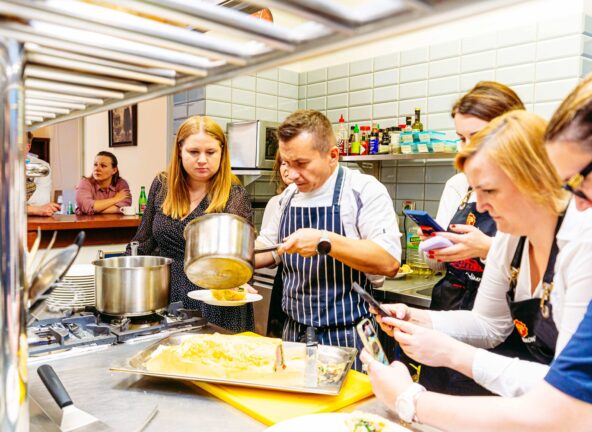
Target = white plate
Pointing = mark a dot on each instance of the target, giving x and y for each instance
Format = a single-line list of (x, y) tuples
[(334, 422), (205, 296), (401, 274)]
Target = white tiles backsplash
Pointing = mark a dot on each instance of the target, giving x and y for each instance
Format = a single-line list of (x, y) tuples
[(270, 74), (316, 90), (467, 81), (361, 82), (560, 26), (413, 90), (385, 94), (558, 69), (267, 101), (387, 61), (442, 104), (315, 76), (338, 86), (360, 67), (267, 86), (288, 76), (219, 93), (443, 86), (477, 62), (444, 50), (339, 71), (363, 97), (386, 77), (243, 97), (218, 109), (515, 74), (288, 90), (413, 73), (442, 68), (414, 56), (516, 55), (479, 43), (245, 83), (384, 110), (337, 101), (517, 36), (561, 47), (319, 104), (553, 90)]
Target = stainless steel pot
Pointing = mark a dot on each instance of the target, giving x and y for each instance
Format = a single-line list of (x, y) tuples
[(132, 285), (219, 251)]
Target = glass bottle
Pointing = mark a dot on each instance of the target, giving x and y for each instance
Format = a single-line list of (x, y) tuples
[(417, 125), (142, 201)]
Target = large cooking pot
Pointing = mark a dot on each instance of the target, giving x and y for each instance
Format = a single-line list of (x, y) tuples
[(132, 285)]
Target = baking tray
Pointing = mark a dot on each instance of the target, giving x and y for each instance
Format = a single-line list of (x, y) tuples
[(336, 360)]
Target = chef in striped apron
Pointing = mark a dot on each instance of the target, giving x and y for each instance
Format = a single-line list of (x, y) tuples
[(337, 226)]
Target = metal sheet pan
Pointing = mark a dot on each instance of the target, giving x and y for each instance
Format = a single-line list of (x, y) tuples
[(336, 360)]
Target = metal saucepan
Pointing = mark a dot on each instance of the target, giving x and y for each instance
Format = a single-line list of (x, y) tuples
[(132, 285), (54, 269), (220, 251)]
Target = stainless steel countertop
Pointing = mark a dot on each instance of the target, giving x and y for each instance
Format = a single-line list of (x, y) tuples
[(405, 290), (124, 401)]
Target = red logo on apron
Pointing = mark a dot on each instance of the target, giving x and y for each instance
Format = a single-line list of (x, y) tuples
[(521, 327), (471, 219)]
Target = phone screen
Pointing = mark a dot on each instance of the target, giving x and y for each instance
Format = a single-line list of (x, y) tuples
[(370, 300), (426, 222), (370, 341)]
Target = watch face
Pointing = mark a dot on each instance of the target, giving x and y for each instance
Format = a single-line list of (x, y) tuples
[(324, 247)]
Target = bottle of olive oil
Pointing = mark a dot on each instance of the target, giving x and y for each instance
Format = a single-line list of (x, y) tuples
[(417, 125)]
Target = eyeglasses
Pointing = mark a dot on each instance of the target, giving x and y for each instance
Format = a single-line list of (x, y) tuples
[(576, 181)]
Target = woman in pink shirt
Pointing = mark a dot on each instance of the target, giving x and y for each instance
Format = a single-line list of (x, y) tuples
[(104, 191)]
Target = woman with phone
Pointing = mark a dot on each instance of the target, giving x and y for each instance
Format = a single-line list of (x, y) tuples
[(563, 400), (469, 229), (514, 180)]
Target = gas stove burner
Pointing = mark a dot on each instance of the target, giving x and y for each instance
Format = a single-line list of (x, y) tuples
[(93, 328)]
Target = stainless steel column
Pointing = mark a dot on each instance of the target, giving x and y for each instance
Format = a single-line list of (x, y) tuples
[(14, 410)]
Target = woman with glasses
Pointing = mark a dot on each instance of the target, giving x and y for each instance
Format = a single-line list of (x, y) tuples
[(198, 182), (563, 401), (514, 180)]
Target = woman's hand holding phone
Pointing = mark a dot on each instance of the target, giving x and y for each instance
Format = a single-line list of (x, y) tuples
[(469, 242)]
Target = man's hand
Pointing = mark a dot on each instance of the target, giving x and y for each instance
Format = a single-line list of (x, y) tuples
[(388, 382), (469, 243), (303, 242), (45, 210)]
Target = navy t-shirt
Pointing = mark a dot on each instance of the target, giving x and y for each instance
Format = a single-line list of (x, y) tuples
[(571, 372)]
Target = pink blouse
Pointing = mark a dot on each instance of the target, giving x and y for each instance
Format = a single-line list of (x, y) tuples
[(87, 193)]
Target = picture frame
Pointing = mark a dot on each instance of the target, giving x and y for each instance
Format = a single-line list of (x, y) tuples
[(123, 126)]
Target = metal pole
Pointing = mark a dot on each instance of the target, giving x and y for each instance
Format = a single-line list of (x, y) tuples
[(14, 407)]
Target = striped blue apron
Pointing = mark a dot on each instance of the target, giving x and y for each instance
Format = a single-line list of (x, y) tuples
[(318, 290)]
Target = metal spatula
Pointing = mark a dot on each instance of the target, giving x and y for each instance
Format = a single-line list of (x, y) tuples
[(73, 419)]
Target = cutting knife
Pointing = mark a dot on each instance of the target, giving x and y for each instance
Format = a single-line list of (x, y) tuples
[(73, 418)]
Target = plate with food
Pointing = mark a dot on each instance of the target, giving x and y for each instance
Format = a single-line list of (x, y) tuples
[(227, 297), (357, 421), (404, 270)]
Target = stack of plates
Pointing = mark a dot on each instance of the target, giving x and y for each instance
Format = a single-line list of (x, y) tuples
[(75, 290)]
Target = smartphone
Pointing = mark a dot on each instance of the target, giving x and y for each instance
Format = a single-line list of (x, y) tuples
[(370, 340), (427, 223), (370, 300)]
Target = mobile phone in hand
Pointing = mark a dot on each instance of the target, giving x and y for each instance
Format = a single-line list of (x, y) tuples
[(370, 340), (371, 300), (427, 223)]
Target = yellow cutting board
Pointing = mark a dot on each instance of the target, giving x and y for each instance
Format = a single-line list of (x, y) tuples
[(272, 406)]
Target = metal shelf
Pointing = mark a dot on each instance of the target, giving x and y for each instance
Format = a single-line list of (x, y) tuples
[(390, 157)]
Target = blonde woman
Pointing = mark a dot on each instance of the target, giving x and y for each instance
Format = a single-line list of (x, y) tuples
[(198, 181), (514, 180), (563, 401)]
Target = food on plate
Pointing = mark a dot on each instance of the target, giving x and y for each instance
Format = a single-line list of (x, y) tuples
[(219, 355), (404, 269), (360, 421), (233, 294)]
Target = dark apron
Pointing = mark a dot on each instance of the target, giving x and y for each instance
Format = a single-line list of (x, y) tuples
[(317, 291), (456, 291), (533, 318)]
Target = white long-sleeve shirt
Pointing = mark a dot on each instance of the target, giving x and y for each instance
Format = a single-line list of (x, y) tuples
[(490, 322), (367, 211)]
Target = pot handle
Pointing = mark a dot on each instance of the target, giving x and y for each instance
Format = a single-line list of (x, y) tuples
[(134, 246), (100, 254), (267, 248)]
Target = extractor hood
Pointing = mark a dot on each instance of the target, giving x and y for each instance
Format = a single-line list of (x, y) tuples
[(87, 56)]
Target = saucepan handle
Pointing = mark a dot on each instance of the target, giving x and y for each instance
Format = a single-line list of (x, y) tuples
[(267, 248), (54, 385)]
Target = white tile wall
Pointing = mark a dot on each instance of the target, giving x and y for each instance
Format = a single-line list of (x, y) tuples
[(479, 43), (361, 82), (414, 56), (338, 86), (288, 90), (515, 74), (516, 55), (363, 97), (315, 90), (386, 77), (414, 73), (387, 61), (478, 62), (385, 94), (360, 67), (340, 71), (517, 36), (444, 50), (337, 101), (413, 90)]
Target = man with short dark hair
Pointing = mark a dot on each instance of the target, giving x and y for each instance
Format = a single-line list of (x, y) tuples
[(338, 226)]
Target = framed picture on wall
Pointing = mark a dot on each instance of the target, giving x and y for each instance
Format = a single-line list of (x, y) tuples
[(123, 126)]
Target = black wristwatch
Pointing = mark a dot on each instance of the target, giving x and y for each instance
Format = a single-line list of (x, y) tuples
[(324, 244)]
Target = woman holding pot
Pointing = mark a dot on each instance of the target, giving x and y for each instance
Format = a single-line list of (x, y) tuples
[(198, 181), (104, 191)]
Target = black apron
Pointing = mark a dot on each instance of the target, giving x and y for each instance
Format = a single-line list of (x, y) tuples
[(533, 318), (456, 291)]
